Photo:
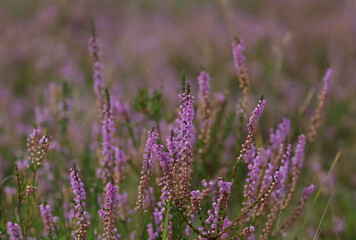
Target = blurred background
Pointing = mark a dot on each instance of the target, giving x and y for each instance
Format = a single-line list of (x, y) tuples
[(148, 44)]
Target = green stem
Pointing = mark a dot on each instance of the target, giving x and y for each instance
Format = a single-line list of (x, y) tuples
[(165, 232), (19, 198)]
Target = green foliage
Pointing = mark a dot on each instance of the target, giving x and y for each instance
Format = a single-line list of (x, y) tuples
[(151, 105), (178, 224)]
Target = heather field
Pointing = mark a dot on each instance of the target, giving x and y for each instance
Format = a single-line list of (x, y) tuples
[(177, 119)]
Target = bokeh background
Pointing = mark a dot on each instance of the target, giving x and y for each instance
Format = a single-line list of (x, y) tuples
[(148, 44)]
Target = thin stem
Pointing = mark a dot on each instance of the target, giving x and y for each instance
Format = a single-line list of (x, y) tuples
[(165, 231), (62, 210), (203, 224), (318, 230), (197, 231), (140, 228), (319, 192), (19, 198), (262, 198)]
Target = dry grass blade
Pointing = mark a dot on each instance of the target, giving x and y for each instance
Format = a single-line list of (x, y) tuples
[(318, 230), (320, 189), (306, 101)]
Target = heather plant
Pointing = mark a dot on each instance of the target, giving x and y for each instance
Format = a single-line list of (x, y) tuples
[(204, 170)]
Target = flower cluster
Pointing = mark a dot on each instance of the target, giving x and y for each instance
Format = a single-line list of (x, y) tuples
[(172, 200), (37, 148), (216, 219), (14, 231), (278, 136)]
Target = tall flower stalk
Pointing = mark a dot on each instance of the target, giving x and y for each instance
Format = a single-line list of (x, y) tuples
[(204, 110), (182, 166), (108, 213), (108, 150), (82, 217), (239, 59), (322, 97), (297, 163), (147, 169), (186, 131), (252, 126), (98, 76)]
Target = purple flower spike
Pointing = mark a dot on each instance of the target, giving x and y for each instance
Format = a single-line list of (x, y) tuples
[(195, 194), (225, 187), (49, 222), (204, 85), (152, 235), (277, 176), (108, 131), (147, 168), (94, 49), (284, 171), (172, 146), (98, 78), (195, 200), (148, 156), (327, 80), (250, 189), (14, 231), (267, 178), (219, 202), (163, 158), (308, 190), (298, 157), (111, 196), (81, 216), (249, 157), (108, 213), (252, 125), (204, 108), (36, 132), (120, 160), (237, 48), (186, 127), (279, 135), (322, 97), (256, 114)]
